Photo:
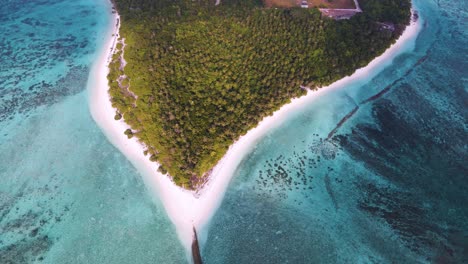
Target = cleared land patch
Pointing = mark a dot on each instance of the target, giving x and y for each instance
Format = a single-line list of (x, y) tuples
[(282, 3), (341, 4)]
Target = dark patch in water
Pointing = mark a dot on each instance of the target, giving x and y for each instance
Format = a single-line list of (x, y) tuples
[(422, 153), (296, 171), (342, 121), (17, 101), (24, 229), (329, 189), (26, 251)]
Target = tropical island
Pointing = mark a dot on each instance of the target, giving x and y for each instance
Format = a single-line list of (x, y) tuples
[(191, 77)]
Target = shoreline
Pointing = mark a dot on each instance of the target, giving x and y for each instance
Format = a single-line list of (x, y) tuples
[(189, 209)]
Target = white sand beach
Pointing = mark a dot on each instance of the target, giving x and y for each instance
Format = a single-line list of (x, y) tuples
[(182, 206)]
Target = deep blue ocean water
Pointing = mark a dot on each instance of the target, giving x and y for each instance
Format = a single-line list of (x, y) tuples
[(390, 186), (66, 194)]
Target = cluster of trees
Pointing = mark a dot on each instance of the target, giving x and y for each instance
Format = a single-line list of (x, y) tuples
[(394, 11), (203, 75)]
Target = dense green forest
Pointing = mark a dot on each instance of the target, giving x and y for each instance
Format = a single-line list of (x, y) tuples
[(199, 75)]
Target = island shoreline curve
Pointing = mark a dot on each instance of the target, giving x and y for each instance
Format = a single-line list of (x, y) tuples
[(193, 209)]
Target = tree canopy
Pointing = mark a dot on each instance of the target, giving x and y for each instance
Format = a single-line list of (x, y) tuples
[(198, 76)]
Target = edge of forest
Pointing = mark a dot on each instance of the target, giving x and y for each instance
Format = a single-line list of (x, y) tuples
[(185, 208)]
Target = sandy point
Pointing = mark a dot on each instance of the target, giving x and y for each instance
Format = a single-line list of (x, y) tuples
[(185, 209)]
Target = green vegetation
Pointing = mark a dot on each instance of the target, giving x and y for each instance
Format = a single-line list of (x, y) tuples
[(394, 11), (203, 75), (128, 132)]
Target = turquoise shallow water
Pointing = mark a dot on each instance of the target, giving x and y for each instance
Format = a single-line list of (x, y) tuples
[(388, 187), (66, 194)]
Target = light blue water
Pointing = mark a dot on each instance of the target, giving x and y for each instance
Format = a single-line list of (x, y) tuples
[(66, 194), (388, 187)]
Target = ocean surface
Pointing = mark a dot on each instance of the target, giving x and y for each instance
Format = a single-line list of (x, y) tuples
[(387, 185), (390, 185), (66, 194)]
